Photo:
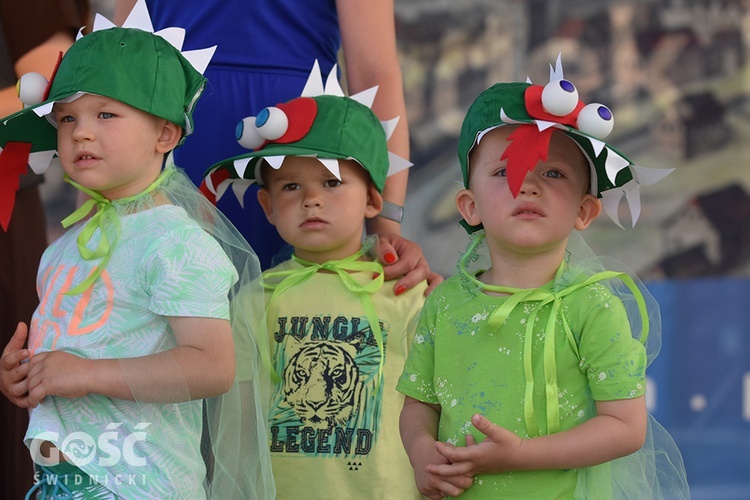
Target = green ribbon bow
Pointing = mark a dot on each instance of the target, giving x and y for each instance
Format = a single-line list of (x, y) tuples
[(104, 218), (343, 267), (543, 297)]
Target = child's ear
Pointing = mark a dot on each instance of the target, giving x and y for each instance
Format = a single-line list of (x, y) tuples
[(589, 210), (170, 135), (264, 198), (374, 201), (467, 207)]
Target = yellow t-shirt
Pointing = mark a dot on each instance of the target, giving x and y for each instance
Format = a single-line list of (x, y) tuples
[(333, 423)]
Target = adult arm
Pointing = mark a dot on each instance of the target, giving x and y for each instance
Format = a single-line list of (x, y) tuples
[(368, 38)]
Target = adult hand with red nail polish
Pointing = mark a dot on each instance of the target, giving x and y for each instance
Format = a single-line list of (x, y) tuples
[(404, 259)]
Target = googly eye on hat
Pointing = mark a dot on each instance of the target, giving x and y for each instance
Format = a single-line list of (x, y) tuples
[(538, 110), (132, 64), (322, 123)]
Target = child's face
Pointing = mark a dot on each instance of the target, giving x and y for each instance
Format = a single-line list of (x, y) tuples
[(111, 147), (552, 201), (320, 216)]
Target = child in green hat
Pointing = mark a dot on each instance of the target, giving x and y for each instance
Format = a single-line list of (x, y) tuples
[(133, 328), (526, 378), (338, 333)]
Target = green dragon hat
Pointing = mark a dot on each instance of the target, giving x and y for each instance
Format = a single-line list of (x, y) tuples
[(538, 111), (131, 64), (321, 123)]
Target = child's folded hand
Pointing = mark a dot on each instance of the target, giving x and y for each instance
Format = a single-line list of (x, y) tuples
[(436, 486), (14, 368), (57, 373), (498, 452)]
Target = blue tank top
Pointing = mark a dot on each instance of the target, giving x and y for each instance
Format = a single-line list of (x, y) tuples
[(265, 35), (266, 49)]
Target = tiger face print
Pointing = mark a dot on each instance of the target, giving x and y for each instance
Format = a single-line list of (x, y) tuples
[(322, 383)]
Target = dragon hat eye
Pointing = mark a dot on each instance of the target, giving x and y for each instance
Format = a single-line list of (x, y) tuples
[(270, 124), (559, 97), (596, 120), (31, 88)]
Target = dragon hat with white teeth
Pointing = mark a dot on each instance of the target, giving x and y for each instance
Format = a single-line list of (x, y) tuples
[(131, 64), (539, 110), (321, 123)]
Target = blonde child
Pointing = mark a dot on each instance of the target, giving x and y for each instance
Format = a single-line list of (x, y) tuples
[(133, 329), (531, 361)]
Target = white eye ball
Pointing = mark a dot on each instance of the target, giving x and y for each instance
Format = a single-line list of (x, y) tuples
[(596, 120), (247, 134), (272, 123), (30, 88), (559, 97)]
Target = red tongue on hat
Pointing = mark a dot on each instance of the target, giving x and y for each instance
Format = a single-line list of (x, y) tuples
[(14, 159), (527, 147)]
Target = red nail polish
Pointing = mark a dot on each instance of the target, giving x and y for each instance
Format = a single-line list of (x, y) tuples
[(389, 258), (400, 289), (375, 275)]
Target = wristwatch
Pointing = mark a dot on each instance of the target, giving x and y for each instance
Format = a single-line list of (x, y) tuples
[(391, 211)]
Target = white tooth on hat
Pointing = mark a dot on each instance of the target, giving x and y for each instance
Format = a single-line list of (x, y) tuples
[(174, 35), (332, 166), (222, 188), (139, 18), (240, 166), (314, 83), (649, 176), (275, 161), (633, 194), (596, 144), (333, 87), (543, 125), (611, 202), (200, 58), (614, 164), (102, 23), (367, 97), (557, 72), (397, 164), (239, 187), (39, 162), (209, 182), (389, 126)]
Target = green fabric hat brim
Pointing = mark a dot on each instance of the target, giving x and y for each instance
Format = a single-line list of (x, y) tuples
[(129, 65), (343, 128), (484, 114)]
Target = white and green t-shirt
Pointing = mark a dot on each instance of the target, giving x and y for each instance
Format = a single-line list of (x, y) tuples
[(163, 265)]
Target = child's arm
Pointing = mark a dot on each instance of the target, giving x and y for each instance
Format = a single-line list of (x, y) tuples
[(201, 365), (618, 429), (13, 369), (418, 425)]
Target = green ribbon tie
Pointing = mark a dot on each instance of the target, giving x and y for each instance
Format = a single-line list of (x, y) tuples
[(343, 267), (104, 218), (544, 297)]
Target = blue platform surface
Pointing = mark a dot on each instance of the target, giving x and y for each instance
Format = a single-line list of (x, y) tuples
[(701, 381)]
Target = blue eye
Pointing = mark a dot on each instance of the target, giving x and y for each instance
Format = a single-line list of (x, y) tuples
[(270, 124), (247, 134), (559, 97), (596, 120)]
